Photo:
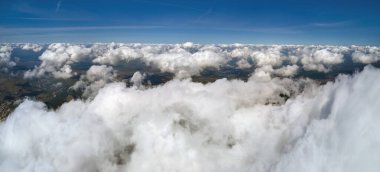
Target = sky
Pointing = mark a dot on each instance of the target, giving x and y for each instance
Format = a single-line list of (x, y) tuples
[(200, 21)]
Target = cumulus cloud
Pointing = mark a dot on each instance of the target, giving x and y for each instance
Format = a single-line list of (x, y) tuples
[(272, 122), (122, 127), (56, 60), (318, 58), (228, 125), (189, 59), (260, 55), (267, 72), (347, 140), (366, 55), (314, 58), (5, 57), (241, 52), (268, 56), (286, 71), (188, 45), (177, 59), (33, 47), (137, 79), (184, 64), (114, 55), (95, 78)]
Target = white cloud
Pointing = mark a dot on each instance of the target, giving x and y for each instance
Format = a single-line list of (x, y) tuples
[(63, 72), (268, 56), (366, 54), (227, 125), (265, 124), (185, 64), (168, 58), (95, 78), (33, 47), (347, 140), (188, 45), (137, 79), (57, 59), (189, 59), (243, 64), (164, 127), (5, 57), (115, 55), (316, 58), (286, 71), (241, 52), (265, 73), (319, 58)]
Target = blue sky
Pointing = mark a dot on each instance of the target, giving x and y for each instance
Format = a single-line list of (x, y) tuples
[(175, 21)]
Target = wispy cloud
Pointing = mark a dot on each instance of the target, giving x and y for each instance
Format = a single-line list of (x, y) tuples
[(287, 30), (171, 4), (330, 24), (27, 8), (48, 18), (6, 30), (58, 6)]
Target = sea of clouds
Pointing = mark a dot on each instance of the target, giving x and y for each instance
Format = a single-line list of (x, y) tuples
[(188, 59), (270, 123), (183, 60)]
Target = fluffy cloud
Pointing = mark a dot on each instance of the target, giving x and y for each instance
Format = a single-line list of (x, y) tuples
[(241, 52), (272, 122), (347, 139), (114, 55), (315, 58), (185, 126), (366, 54), (260, 55), (5, 57), (268, 56), (286, 71), (184, 64), (56, 60), (267, 72), (33, 47), (318, 58), (95, 78), (122, 127), (189, 59), (177, 59), (137, 79)]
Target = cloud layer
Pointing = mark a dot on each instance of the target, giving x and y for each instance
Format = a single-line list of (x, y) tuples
[(272, 121), (188, 59), (5, 57), (229, 125)]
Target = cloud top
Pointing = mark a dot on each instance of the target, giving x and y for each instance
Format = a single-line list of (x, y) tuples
[(228, 125), (188, 59)]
